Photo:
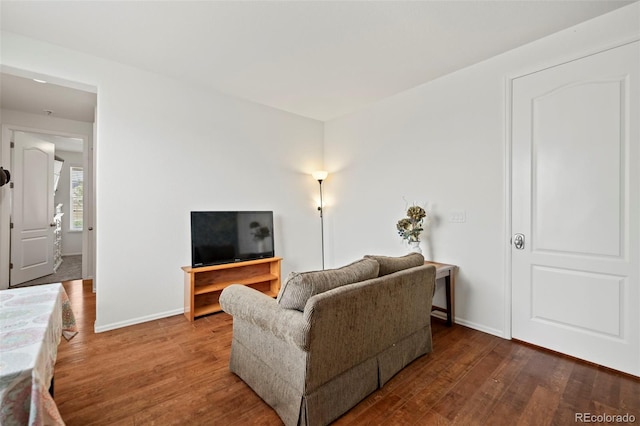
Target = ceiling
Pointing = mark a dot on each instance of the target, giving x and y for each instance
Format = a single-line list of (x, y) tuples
[(26, 95), (319, 59)]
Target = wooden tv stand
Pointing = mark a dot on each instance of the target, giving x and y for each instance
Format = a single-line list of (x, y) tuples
[(202, 286)]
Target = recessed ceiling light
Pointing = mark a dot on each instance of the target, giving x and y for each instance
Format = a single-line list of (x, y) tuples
[(37, 80)]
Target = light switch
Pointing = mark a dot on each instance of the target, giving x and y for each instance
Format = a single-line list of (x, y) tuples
[(457, 216)]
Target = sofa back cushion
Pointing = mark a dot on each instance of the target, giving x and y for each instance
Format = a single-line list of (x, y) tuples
[(299, 287), (389, 265)]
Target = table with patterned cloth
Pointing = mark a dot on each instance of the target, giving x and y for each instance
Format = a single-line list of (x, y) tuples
[(32, 321)]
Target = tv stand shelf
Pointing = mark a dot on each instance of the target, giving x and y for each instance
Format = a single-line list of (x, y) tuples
[(202, 286)]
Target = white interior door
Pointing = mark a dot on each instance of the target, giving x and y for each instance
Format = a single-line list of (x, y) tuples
[(32, 208), (576, 186)]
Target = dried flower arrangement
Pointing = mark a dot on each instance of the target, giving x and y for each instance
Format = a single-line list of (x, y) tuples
[(410, 227)]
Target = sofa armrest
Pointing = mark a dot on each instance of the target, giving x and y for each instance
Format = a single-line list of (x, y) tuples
[(260, 310)]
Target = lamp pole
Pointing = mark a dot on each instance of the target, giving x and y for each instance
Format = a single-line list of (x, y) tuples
[(320, 176), (321, 207)]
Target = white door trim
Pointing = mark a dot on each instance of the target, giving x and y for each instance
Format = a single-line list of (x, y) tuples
[(5, 207), (507, 203), (508, 174)]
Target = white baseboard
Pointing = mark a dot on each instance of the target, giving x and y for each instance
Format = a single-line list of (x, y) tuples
[(134, 321), (471, 324), (480, 327)]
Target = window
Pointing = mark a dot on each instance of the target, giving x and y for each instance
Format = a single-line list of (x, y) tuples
[(77, 191)]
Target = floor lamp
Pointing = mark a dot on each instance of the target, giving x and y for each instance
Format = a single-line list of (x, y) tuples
[(321, 175)]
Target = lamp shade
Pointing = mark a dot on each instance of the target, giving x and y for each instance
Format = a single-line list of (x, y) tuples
[(320, 174)]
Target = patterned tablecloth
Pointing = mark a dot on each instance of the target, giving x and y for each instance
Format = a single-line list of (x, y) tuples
[(32, 320)]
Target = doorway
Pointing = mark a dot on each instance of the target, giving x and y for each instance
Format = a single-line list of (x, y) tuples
[(57, 111), (47, 209)]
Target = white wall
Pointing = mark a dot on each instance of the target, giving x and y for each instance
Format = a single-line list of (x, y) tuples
[(164, 148), (445, 143), (71, 240)]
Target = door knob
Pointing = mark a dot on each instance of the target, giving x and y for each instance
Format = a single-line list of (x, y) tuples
[(518, 241)]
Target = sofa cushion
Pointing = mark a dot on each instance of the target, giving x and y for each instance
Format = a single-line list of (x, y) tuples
[(299, 287), (389, 265)]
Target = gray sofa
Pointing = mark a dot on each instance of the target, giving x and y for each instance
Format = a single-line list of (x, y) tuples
[(331, 337)]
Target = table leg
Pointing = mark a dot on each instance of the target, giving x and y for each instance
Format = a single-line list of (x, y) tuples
[(447, 287)]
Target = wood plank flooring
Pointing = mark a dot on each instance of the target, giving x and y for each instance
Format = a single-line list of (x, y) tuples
[(172, 372)]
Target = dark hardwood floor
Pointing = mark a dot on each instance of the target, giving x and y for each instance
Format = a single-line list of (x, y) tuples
[(172, 372)]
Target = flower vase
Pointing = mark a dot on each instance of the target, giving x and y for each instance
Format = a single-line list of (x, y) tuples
[(414, 247)]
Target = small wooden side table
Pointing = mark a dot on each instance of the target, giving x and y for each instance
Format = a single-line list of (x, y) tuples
[(446, 271)]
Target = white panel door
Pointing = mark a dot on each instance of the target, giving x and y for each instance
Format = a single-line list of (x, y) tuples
[(575, 201), (32, 208)]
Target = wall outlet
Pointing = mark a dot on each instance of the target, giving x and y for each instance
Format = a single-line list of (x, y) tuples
[(457, 216)]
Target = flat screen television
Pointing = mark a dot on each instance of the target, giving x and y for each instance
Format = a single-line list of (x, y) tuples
[(230, 236)]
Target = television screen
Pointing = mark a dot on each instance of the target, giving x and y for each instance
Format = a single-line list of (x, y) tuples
[(225, 237)]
